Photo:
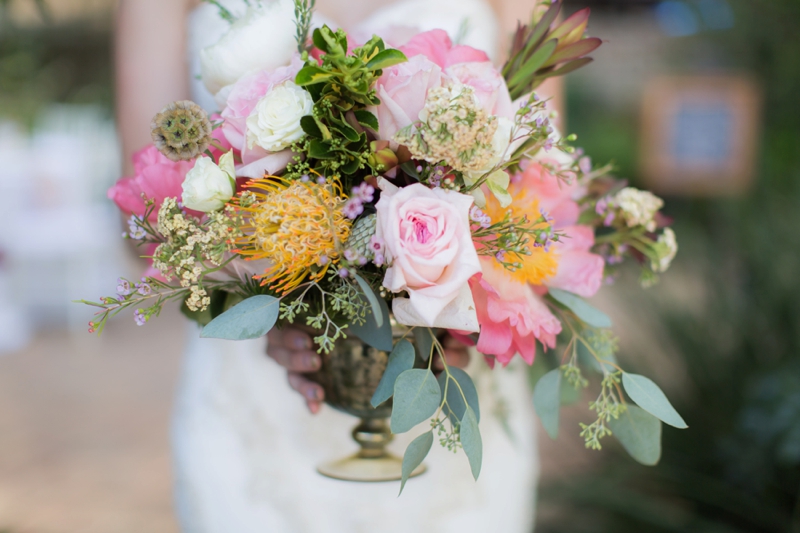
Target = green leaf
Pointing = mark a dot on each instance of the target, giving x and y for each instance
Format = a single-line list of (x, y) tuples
[(416, 398), (639, 432), (574, 51), (566, 68), (547, 401), (310, 126), (569, 395), (582, 310), (499, 186), (400, 360), (372, 298), (379, 337), (365, 118), (386, 59), (541, 28), (310, 75), (423, 337), (652, 399), (411, 169), (319, 41), (456, 407), (415, 454), (537, 59), (471, 441), (320, 150), (250, 319)]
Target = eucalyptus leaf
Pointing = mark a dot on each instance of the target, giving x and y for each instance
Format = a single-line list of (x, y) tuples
[(582, 310), (456, 407), (379, 337), (400, 360), (415, 454), (424, 340), (639, 432), (386, 59), (249, 319), (416, 398), (372, 298), (471, 441), (547, 401), (652, 399)]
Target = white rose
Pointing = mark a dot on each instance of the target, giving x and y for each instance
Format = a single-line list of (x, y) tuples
[(263, 39), (207, 187), (274, 124)]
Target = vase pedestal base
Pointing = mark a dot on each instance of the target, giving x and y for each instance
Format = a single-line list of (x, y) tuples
[(356, 468), (373, 462)]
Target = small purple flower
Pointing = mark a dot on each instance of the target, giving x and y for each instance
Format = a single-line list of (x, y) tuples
[(548, 145), (545, 215), (379, 259), (350, 255), (323, 260), (343, 272), (304, 178), (365, 192), (135, 231), (609, 218), (123, 287), (139, 317), (602, 206), (144, 289), (419, 168), (321, 180), (353, 208), (363, 260), (376, 243), (585, 164), (500, 256), (539, 121), (435, 180)]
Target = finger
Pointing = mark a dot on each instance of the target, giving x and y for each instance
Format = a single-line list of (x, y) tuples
[(308, 389), (295, 361), (295, 339), (314, 406), (451, 342)]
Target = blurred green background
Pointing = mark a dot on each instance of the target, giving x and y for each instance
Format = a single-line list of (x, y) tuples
[(732, 325)]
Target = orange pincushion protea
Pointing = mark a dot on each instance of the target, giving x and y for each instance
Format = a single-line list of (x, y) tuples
[(299, 227)]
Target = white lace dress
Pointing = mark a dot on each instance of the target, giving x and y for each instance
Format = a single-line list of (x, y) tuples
[(246, 448)]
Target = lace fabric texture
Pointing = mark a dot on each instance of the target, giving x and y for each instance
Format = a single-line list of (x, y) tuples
[(245, 447)]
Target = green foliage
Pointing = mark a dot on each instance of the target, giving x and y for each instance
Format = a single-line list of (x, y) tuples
[(250, 319), (401, 359), (342, 87), (416, 398), (369, 332), (639, 432), (377, 312), (471, 441), (585, 312), (652, 399), (415, 454), (547, 401), (456, 386), (423, 337)]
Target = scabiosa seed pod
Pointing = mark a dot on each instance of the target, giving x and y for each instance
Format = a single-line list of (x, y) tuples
[(181, 131), (361, 234)]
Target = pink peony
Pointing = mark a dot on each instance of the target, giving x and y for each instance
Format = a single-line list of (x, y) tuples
[(241, 101), (490, 86), (437, 46), (429, 246), (155, 176), (402, 90), (512, 317)]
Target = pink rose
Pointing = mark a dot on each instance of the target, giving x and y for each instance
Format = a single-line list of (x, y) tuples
[(512, 317), (402, 90), (155, 176), (437, 46), (490, 86), (429, 246), (241, 101)]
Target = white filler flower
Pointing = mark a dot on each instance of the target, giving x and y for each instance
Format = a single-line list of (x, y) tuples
[(666, 248), (207, 187), (274, 124), (263, 39), (638, 207)]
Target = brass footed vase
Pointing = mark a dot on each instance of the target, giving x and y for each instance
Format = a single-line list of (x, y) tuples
[(350, 373)]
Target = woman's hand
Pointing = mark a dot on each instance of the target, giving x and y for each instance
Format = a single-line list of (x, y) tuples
[(293, 349)]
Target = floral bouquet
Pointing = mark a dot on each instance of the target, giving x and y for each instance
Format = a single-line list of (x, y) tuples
[(356, 187)]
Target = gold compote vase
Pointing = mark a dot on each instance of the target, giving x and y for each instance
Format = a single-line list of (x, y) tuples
[(349, 375)]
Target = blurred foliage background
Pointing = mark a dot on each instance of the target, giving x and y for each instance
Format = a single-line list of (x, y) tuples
[(737, 468)]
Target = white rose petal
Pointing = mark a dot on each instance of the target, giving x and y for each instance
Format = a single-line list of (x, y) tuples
[(208, 187), (274, 123), (263, 39)]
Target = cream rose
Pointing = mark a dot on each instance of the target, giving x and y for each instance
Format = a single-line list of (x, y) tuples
[(263, 39), (207, 187), (429, 247), (274, 124)]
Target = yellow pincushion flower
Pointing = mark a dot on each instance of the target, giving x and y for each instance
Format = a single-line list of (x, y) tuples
[(299, 227)]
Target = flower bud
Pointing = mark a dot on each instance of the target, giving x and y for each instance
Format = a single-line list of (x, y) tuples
[(207, 186)]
